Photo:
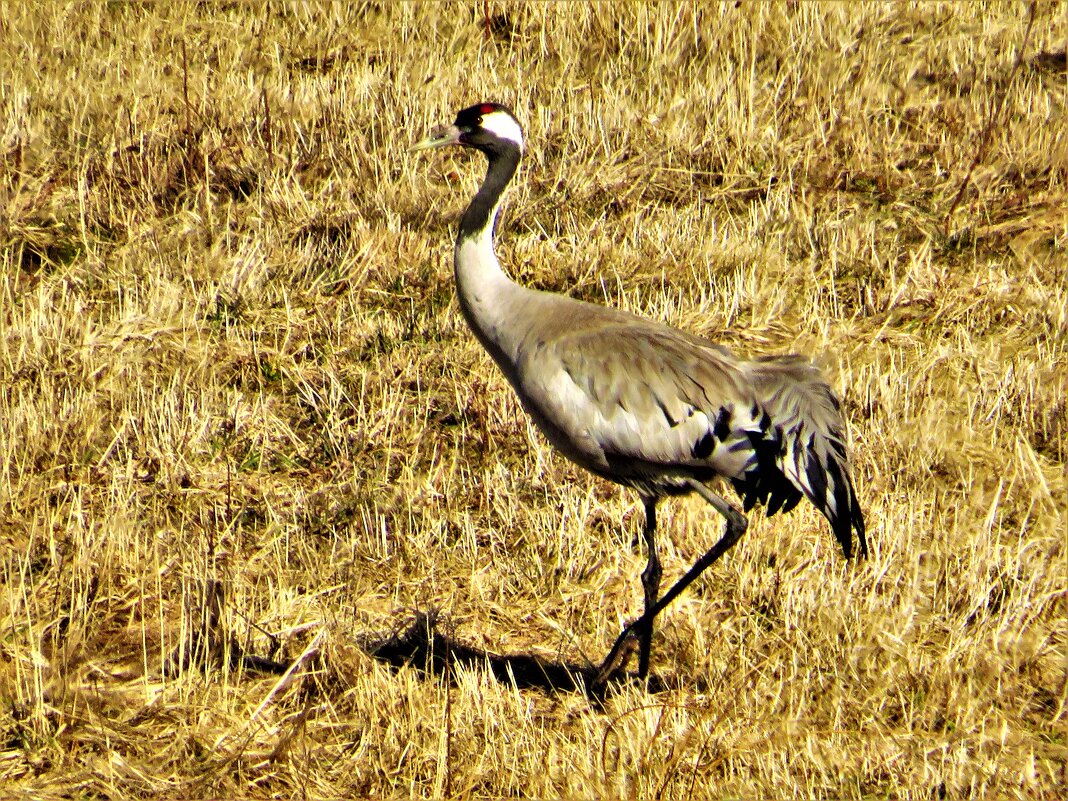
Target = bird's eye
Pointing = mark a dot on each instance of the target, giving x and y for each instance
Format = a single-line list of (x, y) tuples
[(478, 121)]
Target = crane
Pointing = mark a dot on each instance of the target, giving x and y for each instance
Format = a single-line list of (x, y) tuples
[(643, 404)]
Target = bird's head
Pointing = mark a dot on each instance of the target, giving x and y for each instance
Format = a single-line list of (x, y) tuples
[(489, 127)]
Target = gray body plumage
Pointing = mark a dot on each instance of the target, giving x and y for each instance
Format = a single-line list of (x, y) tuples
[(647, 405)]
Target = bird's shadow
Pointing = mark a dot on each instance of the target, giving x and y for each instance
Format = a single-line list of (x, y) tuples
[(430, 648)]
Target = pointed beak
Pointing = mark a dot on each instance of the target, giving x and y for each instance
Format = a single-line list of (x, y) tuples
[(440, 137)]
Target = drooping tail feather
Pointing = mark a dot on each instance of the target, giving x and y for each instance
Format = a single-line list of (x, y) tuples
[(809, 448)]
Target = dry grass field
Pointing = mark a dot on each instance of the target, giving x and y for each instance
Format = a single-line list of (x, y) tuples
[(231, 357)]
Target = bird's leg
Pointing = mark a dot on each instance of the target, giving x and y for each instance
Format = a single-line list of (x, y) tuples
[(736, 526), (651, 585)]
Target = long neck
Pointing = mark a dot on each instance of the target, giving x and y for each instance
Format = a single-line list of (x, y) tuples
[(482, 285), (482, 212)]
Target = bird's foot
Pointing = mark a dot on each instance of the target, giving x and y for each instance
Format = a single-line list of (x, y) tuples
[(614, 666)]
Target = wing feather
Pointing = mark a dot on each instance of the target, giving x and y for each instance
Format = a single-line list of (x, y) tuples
[(642, 393)]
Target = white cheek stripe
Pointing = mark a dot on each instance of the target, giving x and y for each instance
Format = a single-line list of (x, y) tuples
[(504, 126)]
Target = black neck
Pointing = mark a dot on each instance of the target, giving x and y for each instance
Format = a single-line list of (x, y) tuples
[(503, 162)]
